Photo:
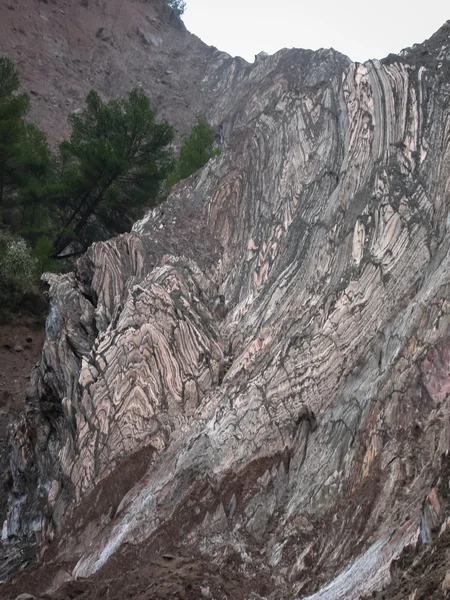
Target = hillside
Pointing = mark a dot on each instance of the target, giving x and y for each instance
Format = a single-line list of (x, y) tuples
[(65, 48), (247, 396)]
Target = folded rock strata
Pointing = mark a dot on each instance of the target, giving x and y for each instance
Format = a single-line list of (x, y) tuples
[(276, 336)]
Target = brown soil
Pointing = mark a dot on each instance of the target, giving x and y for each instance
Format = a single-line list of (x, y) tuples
[(168, 577), (183, 577), (423, 572), (99, 507), (20, 350), (161, 567)]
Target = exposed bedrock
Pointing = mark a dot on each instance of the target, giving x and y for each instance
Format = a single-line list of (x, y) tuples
[(277, 334)]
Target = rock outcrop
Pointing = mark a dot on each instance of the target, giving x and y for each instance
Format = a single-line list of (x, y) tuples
[(258, 374)]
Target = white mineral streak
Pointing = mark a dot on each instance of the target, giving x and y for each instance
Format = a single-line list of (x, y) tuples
[(367, 573), (359, 237)]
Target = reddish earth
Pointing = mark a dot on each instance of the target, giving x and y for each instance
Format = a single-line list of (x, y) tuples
[(20, 350), (171, 576), (423, 572), (422, 575)]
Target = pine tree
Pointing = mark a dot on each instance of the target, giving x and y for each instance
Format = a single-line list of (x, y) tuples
[(112, 166), (196, 150), (35, 171), (179, 6), (13, 107)]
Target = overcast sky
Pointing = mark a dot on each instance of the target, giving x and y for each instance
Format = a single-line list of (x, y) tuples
[(358, 28)]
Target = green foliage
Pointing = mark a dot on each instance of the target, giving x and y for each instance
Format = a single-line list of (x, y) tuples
[(36, 171), (196, 150), (43, 252), (25, 159), (13, 107), (112, 166), (179, 6), (18, 267)]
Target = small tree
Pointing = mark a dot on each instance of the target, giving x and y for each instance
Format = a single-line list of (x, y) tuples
[(197, 148), (111, 167), (18, 268), (36, 169), (179, 6), (13, 107)]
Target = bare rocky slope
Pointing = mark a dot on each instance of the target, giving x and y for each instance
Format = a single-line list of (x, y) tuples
[(64, 48), (248, 395)]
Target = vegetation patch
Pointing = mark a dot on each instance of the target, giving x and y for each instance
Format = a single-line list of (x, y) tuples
[(118, 162)]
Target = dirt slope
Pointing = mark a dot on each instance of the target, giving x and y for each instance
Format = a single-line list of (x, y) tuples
[(65, 48)]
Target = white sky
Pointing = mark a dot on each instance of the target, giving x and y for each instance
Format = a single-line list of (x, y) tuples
[(359, 28)]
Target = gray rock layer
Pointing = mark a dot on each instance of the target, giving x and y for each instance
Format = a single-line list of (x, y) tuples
[(277, 333)]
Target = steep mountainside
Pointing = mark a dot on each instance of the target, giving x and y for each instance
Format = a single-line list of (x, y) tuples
[(63, 48), (249, 394)]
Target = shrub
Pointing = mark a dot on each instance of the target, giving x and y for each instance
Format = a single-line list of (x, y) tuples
[(196, 150), (18, 268), (43, 252), (179, 6)]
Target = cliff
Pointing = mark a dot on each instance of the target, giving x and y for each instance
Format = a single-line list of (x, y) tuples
[(248, 394)]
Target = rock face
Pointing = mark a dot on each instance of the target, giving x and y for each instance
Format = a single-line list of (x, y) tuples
[(258, 374)]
